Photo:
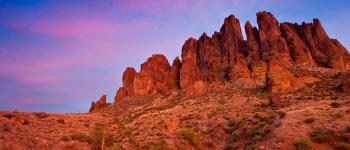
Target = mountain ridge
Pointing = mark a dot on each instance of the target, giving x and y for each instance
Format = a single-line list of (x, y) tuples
[(264, 60)]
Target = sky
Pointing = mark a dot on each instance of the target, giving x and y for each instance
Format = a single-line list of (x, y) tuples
[(59, 55)]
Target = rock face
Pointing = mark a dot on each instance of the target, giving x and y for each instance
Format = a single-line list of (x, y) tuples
[(98, 104), (156, 76), (266, 59)]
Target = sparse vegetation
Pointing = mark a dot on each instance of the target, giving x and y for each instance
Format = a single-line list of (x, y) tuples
[(99, 139), (335, 104), (192, 137), (342, 146), (309, 120), (339, 115), (119, 121), (347, 129), (302, 144), (158, 145), (79, 137), (321, 135), (211, 114), (228, 147), (281, 114), (232, 125), (234, 137), (251, 131), (9, 115)]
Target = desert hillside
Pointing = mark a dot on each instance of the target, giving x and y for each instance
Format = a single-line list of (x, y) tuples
[(287, 86)]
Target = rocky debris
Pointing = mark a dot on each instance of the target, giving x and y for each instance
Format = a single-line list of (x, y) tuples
[(267, 58), (99, 104)]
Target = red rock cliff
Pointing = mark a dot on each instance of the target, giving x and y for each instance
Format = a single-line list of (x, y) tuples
[(265, 59)]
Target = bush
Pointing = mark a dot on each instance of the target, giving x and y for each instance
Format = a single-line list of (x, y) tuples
[(192, 137), (101, 138), (233, 123), (234, 137), (158, 145), (281, 114), (9, 115), (347, 129), (228, 147), (251, 131), (309, 120), (335, 104), (119, 121), (302, 144), (342, 146), (79, 137), (229, 129), (321, 135), (266, 130), (338, 115), (211, 114)]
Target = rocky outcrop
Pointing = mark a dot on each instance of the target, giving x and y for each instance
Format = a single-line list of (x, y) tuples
[(152, 77), (267, 58), (156, 76), (99, 104), (190, 71)]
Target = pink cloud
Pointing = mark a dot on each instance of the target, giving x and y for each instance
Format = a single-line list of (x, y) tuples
[(76, 28), (153, 6), (65, 28)]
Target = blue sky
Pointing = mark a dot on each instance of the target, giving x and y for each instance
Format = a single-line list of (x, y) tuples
[(58, 56)]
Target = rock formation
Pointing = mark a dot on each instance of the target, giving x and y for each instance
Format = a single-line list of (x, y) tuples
[(267, 58), (98, 104), (156, 76)]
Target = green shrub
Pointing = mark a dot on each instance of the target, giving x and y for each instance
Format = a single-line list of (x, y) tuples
[(228, 147), (192, 137), (338, 115), (234, 137), (233, 123), (251, 131), (302, 144), (335, 104), (9, 115), (211, 114), (158, 145), (266, 130), (281, 114), (81, 137), (342, 146), (309, 120), (119, 121), (321, 135), (101, 137), (347, 129), (229, 129)]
